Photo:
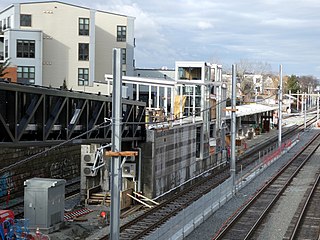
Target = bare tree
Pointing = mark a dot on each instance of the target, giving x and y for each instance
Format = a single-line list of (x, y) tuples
[(245, 71), (307, 83)]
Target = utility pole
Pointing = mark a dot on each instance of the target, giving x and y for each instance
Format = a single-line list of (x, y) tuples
[(233, 127), (280, 108), (318, 107), (116, 145), (305, 111), (290, 101)]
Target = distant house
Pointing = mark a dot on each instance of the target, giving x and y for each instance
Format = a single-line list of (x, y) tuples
[(54, 42)]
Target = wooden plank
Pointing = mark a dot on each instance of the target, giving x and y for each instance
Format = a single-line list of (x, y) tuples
[(100, 194), (145, 198), (98, 197), (230, 109), (138, 200), (121, 154)]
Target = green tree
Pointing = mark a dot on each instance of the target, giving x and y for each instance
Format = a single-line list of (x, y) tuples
[(3, 67), (293, 84)]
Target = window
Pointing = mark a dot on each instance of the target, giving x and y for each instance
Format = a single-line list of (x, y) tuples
[(26, 74), (4, 27), (25, 20), (121, 33), (83, 76), (0, 26), (124, 55), (9, 22), (84, 26), (6, 48), (84, 51), (25, 48)]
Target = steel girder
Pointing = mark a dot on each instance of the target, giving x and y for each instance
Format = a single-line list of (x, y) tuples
[(46, 116)]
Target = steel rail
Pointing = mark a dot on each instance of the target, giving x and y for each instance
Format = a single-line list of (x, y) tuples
[(304, 209), (171, 199), (299, 159)]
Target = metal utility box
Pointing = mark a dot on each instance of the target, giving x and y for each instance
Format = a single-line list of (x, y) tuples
[(44, 202)]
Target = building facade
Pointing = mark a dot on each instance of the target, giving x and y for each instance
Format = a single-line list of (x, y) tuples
[(58, 44)]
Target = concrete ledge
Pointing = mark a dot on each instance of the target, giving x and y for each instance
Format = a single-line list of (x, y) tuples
[(188, 228), (198, 221), (215, 207), (207, 213), (178, 235)]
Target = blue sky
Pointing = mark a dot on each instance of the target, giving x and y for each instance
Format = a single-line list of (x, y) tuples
[(283, 32)]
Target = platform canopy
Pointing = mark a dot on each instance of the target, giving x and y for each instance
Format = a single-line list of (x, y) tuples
[(249, 109)]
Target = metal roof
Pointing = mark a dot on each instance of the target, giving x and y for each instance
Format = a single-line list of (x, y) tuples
[(249, 109)]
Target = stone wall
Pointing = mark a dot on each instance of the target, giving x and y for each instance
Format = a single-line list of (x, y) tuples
[(63, 163)]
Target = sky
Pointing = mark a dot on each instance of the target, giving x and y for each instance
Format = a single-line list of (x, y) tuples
[(226, 32)]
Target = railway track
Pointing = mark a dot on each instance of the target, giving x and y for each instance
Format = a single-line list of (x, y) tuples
[(150, 220), (246, 221), (146, 223), (307, 224), (178, 200), (251, 155)]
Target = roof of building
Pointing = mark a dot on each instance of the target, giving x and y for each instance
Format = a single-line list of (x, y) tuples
[(60, 2)]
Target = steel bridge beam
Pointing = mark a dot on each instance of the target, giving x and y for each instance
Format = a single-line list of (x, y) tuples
[(33, 115)]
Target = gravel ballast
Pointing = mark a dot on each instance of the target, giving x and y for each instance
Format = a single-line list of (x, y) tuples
[(209, 228)]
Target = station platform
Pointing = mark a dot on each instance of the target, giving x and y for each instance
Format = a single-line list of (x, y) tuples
[(289, 122)]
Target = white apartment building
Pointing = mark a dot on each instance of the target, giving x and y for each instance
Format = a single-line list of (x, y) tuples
[(52, 43)]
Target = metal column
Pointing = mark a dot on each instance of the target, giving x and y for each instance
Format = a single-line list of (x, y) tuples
[(318, 98), (233, 127), (280, 109), (116, 145)]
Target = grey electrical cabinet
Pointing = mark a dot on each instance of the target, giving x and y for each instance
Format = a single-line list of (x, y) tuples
[(44, 202)]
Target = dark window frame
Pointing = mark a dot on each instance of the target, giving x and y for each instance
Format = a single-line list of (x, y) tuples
[(83, 76), (124, 55), (9, 22), (26, 75), (83, 51), (6, 48), (26, 48), (121, 33), (84, 26), (25, 20)]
